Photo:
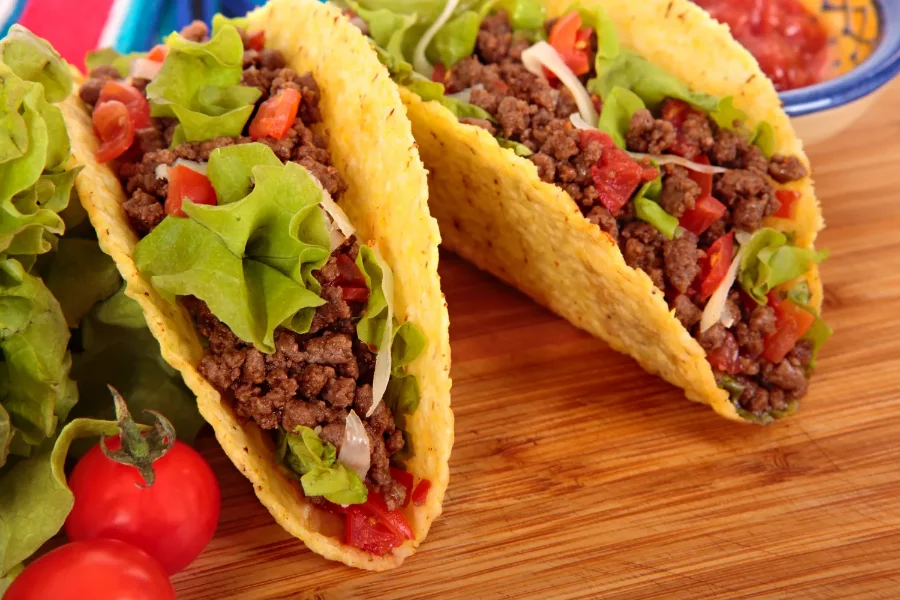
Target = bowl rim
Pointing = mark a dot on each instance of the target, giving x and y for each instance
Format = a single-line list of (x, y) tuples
[(873, 73)]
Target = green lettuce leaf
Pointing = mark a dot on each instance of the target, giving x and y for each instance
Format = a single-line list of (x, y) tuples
[(764, 138), (402, 394), (387, 28), (79, 275), (525, 15), (306, 455), (108, 56), (456, 39), (6, 433), (647, 208), (34, 497), (818, 334), (33, 59), (727, 116), (768, 261), (618, 108), (800, 294), (519, 149), (431, 90), (219, 21), (34, 378), (199, 84), (607, 38), (250, 260), (651, 83), (370, 328)]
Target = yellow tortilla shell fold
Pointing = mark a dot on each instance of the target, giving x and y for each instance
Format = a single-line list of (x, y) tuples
[(371, 144), (496, 212)]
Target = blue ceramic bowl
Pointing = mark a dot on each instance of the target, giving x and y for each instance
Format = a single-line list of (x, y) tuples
[(867, 47)]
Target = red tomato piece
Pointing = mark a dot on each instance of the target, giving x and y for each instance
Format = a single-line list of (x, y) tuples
[(791, 323), (677, 112), (172, 520), (617, 176), (114, 127), (392, 519), (421, 494), (132, 98), (98, 569), (787, 198), (158, 53), (364, 532), (348, 273), (406, 480), (276, 115), (707, 210), (704, 180), (184, 182), (725, 357), (572, 43), (440, 73), (352, 294), (715, 265), (257, 40)]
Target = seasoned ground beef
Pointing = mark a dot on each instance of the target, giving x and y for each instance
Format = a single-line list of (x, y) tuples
[(311, 380)]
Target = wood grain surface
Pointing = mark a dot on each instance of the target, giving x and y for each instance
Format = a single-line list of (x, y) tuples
[(577, 475)]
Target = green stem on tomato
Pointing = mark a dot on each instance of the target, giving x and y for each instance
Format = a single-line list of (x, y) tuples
[(138, 450)]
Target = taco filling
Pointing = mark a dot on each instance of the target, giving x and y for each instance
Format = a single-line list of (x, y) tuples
[(676, 178), (220, 148)]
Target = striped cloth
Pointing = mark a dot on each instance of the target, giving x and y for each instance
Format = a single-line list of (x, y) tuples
[(76, 26)]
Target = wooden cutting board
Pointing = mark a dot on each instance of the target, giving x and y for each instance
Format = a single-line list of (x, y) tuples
[(577, 475)]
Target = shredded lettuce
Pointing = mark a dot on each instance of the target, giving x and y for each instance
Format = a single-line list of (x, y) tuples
[(109, 56), (199, 84), (618, 108), (313, 461), (647, 208), (769, 260), (519, 149), (250, 260)]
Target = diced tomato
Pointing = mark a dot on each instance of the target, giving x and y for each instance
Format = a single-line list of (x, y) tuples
[(726, 357), (677, 112), (257, 40), (421, 494), (352, 294), (791, 323), (113, 126), (131, 97), (348, 273), (185, 182), (364, 532), (704, 180), (440, 73), (276, 115), (617, 175), (392, 519), (715, 265), (158, 53), (406, 480), (572, 43), (707, 210), (787, 199)]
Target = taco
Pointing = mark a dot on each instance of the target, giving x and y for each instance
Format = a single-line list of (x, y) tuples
[(627, 165), (259, 189), (66, 328)]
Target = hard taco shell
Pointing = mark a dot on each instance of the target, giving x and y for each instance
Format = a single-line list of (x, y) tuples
[(372, 146), (496, 212)]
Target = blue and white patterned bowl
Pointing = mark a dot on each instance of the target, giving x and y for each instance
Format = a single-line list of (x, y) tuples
[(866, 46)]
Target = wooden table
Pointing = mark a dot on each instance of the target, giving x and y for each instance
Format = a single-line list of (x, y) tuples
[(577, 475)]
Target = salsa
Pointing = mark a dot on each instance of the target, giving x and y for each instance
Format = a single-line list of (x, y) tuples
[(789, 42)]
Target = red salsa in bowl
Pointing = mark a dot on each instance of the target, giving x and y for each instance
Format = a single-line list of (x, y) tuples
[(789, 41)]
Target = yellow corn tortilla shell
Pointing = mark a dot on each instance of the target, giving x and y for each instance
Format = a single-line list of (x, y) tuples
[(372, 146), (496, 212)]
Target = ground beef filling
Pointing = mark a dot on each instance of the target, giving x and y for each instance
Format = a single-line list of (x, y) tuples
[(314, 379), (529, 110)]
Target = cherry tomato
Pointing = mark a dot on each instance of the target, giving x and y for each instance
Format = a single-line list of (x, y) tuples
[(791, 323), (96, 570), (276, 115), (787, 199), (715, 265), (113, 126), (172, 520), (184, 182), (572, 43), (132, 98)]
